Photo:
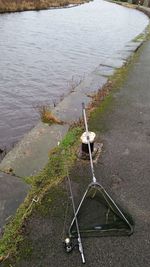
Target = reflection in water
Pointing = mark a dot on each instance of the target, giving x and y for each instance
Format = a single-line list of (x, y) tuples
[(41, 51)]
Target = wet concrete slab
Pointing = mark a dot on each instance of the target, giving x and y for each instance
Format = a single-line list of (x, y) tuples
[(94, 82), (114, 62), (105, 70), (133, 46), (126, 53), (12, 193), (70, 109), (31, 154)]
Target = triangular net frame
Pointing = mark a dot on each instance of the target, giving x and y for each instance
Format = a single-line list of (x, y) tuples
[(99, 215)]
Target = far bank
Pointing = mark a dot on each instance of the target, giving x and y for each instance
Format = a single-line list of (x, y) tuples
[(24, 5)]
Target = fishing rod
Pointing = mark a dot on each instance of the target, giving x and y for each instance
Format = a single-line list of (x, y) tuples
[(88, 142), (68, 244), (67, 240)]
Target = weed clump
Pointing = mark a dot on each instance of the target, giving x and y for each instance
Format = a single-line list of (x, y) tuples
[(47, 116)]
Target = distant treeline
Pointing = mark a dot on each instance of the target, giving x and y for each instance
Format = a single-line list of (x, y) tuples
[(22, 5)]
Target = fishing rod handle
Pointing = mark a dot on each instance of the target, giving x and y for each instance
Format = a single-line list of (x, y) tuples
[(83, 259), (81, 249)]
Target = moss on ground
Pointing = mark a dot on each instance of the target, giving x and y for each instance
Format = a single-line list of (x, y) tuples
[(143, 36), (105, 100)]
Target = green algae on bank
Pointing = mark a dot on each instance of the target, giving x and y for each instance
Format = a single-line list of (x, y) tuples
[(143, 36)]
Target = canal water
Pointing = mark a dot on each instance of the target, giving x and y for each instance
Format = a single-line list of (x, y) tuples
[(43, 54)]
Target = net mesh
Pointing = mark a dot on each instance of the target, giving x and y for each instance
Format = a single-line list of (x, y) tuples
[(99, 216)]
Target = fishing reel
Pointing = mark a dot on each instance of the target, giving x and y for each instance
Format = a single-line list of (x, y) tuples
[(68, 245)]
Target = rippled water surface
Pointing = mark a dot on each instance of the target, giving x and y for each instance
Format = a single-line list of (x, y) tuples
[(41, 51)]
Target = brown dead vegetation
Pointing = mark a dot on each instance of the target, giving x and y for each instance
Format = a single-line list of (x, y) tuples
[(22, 5), (47, 116)]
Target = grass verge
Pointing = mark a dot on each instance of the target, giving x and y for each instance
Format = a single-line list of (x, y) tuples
[(50, 177)]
